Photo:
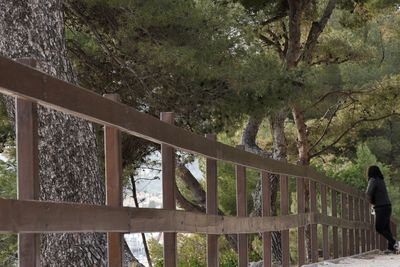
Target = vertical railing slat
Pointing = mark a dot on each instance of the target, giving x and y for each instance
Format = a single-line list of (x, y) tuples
[(313, 209), (28, 175), (324, 210), (169, 194), (351, 231), (357, 218), (212, 207), (241, 208), (344, 215), (335, 236), (362, 218), (28, 184), (368, 220), (266, 211), (113, 170), (284, 188), (300, 230)]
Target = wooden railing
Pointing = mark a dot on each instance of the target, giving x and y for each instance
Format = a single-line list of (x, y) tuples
[(28, 217)]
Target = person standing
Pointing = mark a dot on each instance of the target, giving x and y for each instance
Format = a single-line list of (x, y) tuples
[(377, 195)]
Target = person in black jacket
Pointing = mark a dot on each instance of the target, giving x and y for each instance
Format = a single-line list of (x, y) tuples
[(377, 195)]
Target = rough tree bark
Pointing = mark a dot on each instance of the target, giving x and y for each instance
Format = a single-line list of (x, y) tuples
[(69, 163), (279, 152)]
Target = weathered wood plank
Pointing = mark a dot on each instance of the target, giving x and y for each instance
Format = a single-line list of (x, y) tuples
[(284, 188), (168, 185), (335, 235), (351, 231), (300, 230), (212, 207), (344, 215), (372, 233), (266, 211), (313, 208), (28, 185), (362, 231), (241, 211), (16, 79), (24, 216), (324, 211), (357, 231), (368, 231), (113, 170)]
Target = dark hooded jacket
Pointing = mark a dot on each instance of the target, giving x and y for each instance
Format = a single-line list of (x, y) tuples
[(377, 193)]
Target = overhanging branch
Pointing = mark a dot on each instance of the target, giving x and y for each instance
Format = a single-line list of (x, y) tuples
[(351, 127)]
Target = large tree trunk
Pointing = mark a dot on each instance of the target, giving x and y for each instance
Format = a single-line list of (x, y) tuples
[(304, 160), (279, 153), (69, 164)]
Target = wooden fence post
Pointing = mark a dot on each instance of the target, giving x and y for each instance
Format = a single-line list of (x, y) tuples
[(28, 183), (113, 169), (368, 231), (284, 188), (357, 218), (300, 230), (362, 218), (266, 211), (241, 209), (351, 231), (324, 211), (313, 208), (344, 214), (168, 181), (335, 236), (212, 206), (373, 236)]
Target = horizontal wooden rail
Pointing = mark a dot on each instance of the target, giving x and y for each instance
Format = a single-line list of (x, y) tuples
[(23, 81), (24, 216)]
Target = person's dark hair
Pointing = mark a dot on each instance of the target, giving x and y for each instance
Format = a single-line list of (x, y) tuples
[(374, 172)]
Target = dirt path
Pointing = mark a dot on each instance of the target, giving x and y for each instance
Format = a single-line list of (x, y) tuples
[(377, 259)]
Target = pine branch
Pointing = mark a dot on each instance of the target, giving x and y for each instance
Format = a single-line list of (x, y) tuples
[(316, 30), (351, 127), (275, 44), (326, 128)]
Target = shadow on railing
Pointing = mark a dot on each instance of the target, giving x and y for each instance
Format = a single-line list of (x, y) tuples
[(349, 212)]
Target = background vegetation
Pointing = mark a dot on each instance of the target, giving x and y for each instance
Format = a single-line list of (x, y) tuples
[(219, 64)]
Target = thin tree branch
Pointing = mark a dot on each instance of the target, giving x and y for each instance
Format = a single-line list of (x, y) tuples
[(273, 19), (337, 92), (285, 37), (270, 42), (326, 128), (134, 195), (351, 127), (103, 45), (328, 61)]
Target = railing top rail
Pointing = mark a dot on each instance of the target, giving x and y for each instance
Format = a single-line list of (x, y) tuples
[(22, 81), (24, 216)]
